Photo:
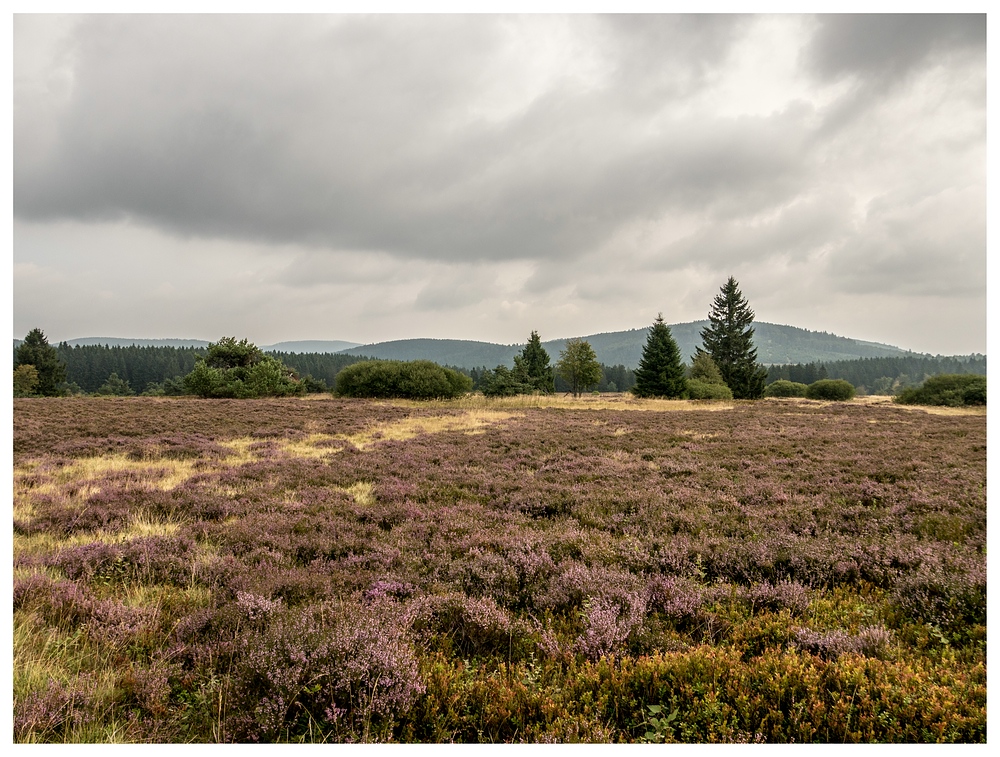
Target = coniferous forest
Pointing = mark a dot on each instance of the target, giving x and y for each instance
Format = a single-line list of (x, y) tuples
[(88, 368)]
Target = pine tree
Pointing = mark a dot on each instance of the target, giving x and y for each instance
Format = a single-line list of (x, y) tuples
[(729, 340), (533, 362), (35, 350), (660, 372)]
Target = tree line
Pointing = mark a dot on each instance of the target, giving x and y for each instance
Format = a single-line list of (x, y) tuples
[(880, 375), (724, 367)]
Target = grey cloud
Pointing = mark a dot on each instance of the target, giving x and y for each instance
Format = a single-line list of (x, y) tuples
[(454, 289), (355, 135), (890, 45), (370, 154), (931, 246), (795, 232)]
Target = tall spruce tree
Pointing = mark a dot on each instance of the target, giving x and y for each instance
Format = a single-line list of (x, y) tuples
[(729, 340), (533, 363), (660, 372), (35, 350)]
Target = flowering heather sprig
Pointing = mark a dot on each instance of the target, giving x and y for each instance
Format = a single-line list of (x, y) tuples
[(473, 625), (677, 598), (576, 582), (389, 589), (949, 592), (784, 594), (256, 607), (52, 713), (607, 625), (152, 559), (870, 641), (314, 667)]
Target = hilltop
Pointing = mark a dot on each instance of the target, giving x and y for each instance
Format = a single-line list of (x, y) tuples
[(776, 344)]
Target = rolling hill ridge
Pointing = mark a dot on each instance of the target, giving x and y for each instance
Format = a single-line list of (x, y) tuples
[(775, 344)]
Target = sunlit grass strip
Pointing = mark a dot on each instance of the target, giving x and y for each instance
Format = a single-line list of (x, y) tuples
[(567, 402), (318, 445), (141, 525)]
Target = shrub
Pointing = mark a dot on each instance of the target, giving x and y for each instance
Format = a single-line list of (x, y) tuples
[(240, 370), (837, 390), (702, 390), (502, 382), (949, 389), (782, 388), (417, 379), (321, 669)]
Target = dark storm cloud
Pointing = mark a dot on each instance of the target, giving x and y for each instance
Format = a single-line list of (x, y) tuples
[(357, 134), (520, 170), (888, 46)]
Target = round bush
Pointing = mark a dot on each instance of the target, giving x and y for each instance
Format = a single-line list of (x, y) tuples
[(702, 390), (417, 379), (951, 389), (782, 388), (830, 389)]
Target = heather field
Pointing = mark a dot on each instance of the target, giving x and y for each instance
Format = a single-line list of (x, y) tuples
[(538, 570)]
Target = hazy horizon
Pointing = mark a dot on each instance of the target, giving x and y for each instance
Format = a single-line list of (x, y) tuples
[(377, 178)]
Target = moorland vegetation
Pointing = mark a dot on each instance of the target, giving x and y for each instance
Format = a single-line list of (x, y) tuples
[(476, 570)]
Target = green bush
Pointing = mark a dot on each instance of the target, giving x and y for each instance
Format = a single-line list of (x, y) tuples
[(837, 390), (417, 379), (703, 390), (240, 370), (782, 388), (951, 389)]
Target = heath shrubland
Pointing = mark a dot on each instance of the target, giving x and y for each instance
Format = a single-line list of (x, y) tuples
[(520, 569)]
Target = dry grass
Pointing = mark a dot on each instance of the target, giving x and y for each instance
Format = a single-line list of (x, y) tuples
[(621, 401), (362, 492)]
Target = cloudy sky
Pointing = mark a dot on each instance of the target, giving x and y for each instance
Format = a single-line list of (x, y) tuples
[(477, 177)]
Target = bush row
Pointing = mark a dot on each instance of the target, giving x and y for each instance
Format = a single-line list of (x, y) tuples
[(417, 379), (837, 390), (950, 389)]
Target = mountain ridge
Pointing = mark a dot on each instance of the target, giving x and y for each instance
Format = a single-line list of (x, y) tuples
[(776, 344)]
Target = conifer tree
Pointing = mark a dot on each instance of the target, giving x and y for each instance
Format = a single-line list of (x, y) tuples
[(35, 350), (729, 340), (533, 362), (660, 372)]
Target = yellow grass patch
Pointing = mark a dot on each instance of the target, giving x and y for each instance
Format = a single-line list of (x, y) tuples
[(78, 478), (314, 445), (944, 410), (362, 492), (318, 445), (621, 401), (43, 543), (408, 428)]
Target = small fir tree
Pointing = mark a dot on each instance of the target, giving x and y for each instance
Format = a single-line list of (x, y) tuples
[(533, 364), (35, 350), (660, 372), (578, 366), (728, 339)]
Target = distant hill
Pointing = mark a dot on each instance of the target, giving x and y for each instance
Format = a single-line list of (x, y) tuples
[(112, 341), (775, 345), (310, 346), (458, 352)]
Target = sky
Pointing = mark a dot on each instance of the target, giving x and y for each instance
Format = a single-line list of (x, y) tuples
[(371, 178)]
